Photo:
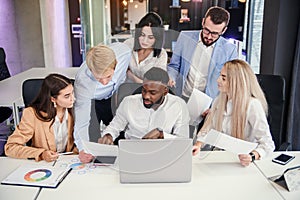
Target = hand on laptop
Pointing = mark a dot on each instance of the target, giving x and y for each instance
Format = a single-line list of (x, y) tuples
[(106, 139), (154, 134), (85, 157)]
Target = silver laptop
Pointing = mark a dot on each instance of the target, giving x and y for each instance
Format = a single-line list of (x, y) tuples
[(155, 161)]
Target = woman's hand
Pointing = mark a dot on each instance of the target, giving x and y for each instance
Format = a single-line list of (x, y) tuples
[(85, 157), (196, 148), (49, 155), (245, 159)]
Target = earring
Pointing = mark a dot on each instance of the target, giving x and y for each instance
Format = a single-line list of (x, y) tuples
[(54, 104)]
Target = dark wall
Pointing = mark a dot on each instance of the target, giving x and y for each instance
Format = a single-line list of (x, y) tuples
[(171, 15), (74, 13), (279, 39)]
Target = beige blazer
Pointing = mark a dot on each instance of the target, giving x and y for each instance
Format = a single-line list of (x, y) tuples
[(41, 136)]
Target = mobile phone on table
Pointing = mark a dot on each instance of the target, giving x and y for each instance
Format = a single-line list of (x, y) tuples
[(283, 159)]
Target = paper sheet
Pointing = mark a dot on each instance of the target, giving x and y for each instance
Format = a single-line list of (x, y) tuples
[(197, 104), (97, 149), (227, 142)]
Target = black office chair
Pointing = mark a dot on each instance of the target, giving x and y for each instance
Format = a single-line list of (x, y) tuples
[(5, 112), (274, 89), (30, 89)]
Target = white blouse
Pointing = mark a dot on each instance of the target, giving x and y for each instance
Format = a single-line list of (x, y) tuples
[(139, 69), (61, 132), (257, 127)]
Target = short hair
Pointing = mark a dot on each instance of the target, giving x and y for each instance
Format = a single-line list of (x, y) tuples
[(153, 20), (157, 74), (100, 58), (218, 15)]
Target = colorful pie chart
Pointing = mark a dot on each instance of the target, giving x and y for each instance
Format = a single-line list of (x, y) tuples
[(37, 175)]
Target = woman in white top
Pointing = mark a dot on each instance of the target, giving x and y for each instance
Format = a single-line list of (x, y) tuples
[(240, 110), (48, 123), (147, 48)]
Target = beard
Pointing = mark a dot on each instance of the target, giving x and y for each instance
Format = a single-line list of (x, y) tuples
[(206, 41), (158, 102)]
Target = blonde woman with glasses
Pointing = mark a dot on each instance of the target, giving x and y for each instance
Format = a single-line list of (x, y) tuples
[(240, 110)]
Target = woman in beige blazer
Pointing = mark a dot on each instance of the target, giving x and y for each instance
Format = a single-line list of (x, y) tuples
[(47, 123)]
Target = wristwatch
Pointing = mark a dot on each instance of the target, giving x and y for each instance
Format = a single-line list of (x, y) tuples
[(252, 156)]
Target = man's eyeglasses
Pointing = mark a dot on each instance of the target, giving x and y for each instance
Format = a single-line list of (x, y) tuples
[(206, 31)]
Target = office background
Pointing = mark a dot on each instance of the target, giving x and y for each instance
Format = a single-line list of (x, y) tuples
[(37, 33)]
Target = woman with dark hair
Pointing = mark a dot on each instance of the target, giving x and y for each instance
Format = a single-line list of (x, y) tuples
[(147, 47), (47, 123)]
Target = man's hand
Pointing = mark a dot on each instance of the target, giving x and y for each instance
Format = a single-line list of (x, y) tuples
[(106, 139), (85, 157), (171, 83), (154, 134)]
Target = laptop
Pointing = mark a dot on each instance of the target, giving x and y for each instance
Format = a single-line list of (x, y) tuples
[(155, 161)]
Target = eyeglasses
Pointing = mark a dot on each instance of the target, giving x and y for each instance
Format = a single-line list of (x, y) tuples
[(206, 31)]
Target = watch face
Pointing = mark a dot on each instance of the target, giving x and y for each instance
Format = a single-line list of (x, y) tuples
[(252, 156)]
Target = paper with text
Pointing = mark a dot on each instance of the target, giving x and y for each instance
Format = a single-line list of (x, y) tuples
[(97, 149), (227, 142), (197, 104)]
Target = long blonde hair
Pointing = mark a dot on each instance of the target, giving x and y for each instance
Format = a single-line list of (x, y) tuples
[(242, 86)]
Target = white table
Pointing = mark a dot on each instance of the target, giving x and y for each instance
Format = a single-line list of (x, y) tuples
[(11, 88), (270, 169), (217, 175), (8, 165)]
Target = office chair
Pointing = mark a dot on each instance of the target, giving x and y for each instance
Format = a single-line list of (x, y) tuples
[(274, 89), (30, 89), (5, 112), (124, 90)]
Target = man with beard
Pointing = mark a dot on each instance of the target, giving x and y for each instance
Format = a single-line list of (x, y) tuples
[(199, 56), (153, 114)]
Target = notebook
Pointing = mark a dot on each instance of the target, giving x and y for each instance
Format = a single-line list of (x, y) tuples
[(37, 176), (155, 161)]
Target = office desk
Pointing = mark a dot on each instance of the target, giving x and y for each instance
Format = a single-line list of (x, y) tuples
[(270, 169), (216, 175), (8, 165), (11, 88)]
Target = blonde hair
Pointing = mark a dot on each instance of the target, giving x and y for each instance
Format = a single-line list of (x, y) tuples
[(100, 58), (242, 86)]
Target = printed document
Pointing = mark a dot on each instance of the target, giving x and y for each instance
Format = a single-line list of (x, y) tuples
[(197, 104), (226, 142), (97, 149)]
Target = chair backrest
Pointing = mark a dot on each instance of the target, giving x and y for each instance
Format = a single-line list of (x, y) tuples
[(30, 89), (274, 89), (125, 89), (4, 72)]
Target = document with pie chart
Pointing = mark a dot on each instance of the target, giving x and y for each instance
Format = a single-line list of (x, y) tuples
[(37, 175)]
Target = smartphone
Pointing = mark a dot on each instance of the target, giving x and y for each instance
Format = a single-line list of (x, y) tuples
[(283, 159), (108, 160)]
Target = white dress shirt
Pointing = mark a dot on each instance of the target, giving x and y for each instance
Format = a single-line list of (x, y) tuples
[(140, 68), (88, 88), (61, 132), (172, 117), (197, 75), (257, 128)]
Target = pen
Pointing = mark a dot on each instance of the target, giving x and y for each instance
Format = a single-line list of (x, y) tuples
[(65, 153)]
